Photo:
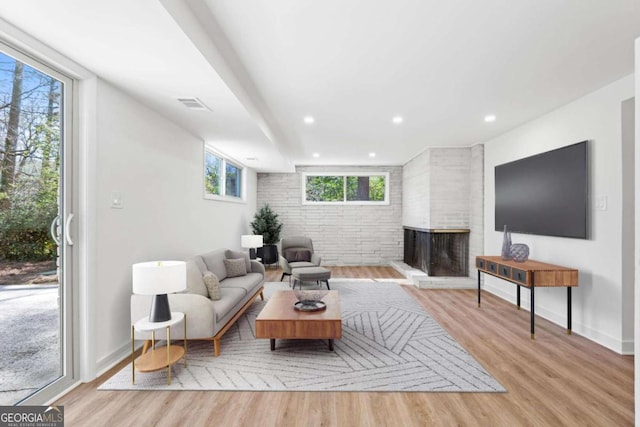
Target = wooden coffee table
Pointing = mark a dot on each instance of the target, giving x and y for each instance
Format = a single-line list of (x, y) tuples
[(279, 320)]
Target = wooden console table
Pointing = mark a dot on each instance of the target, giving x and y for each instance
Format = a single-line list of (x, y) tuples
[(530, 274)]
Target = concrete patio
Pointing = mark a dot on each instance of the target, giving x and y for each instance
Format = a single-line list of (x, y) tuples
[(29, 326)]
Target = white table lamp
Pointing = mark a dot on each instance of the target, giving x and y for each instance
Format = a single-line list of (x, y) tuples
[(251, 242), (159, 278)]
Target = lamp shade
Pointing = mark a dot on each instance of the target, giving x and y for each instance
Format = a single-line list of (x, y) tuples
[(159, 277), (251, 241)]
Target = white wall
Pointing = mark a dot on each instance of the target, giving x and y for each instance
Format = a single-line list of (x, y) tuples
[(597, 302), (158, 168)]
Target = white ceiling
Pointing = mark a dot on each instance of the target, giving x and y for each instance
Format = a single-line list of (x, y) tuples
[(262, 65)]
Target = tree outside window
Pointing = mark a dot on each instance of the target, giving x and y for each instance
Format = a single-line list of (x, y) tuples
[(325, 188), (30, 137), (366, 188), (345, 188), (212, 174), (222, 179)]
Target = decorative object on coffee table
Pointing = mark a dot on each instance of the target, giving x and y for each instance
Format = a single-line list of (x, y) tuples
[(310, 300), (506, 244), (266, 223), (519, 252)]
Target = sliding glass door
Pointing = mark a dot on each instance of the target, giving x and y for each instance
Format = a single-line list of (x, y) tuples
[(36, 229)]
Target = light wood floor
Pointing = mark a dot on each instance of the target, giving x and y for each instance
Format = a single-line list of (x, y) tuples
[(554, 380)]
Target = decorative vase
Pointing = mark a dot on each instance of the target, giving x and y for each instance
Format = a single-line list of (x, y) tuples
[(506, 244), (519, 252)]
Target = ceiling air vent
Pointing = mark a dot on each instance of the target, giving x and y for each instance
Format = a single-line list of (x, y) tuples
[(194, 104)]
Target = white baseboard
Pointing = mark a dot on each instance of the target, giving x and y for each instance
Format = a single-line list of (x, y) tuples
[(628, 348), (619, 346), (106, 363)]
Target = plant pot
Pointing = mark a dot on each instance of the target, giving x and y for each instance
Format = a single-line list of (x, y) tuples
[(269, 254)]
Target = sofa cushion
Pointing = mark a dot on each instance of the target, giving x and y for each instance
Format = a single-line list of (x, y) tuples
[(213, 285), (247, 283), (300, 264), (235, 267), (237, 254), (195, 284), (231, 297), (215, 263)]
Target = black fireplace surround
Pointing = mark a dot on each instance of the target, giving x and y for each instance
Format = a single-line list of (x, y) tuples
[(438, 252)]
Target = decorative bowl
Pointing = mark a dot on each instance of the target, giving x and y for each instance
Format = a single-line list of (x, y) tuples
[(310, 295)]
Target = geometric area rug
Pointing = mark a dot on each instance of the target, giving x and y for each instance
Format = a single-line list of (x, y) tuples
[(389, 343)]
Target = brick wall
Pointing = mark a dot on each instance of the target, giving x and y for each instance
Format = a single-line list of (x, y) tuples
[(476, 206), (415, 192), (342, 234), (449, 187)]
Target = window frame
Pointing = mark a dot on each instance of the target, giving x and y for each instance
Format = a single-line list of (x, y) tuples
[(344, 175), (223, 197)]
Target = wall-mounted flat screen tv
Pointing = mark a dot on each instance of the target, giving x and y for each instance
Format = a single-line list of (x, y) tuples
[(545, 194)]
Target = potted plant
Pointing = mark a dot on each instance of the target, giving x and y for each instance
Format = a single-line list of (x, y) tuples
[(266, 223)]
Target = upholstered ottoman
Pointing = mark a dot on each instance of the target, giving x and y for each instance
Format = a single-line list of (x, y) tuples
[(311, 274)]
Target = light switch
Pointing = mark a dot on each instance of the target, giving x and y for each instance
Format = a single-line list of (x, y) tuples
[(600, 203), (117, 201)]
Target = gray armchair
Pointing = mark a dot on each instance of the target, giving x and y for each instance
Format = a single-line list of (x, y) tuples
[(297, 252)]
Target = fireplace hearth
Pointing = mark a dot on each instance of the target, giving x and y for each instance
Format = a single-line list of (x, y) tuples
[(437, 252)]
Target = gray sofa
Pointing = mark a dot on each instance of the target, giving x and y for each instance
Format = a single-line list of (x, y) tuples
[(207, 319)]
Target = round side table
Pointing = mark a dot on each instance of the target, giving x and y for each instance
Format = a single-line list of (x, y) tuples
[(161, 357)]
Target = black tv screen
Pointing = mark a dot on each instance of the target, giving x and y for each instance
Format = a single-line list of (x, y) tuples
[(545, 194)]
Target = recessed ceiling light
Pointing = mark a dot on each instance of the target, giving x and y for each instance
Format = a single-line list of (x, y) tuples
[(251, 159), (316, 155), (372, 154), (490, 118), (309, 120), (397, 120)]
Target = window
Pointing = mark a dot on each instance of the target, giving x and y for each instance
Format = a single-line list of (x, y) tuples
[(223, 180), (233, 181), (345, 188)]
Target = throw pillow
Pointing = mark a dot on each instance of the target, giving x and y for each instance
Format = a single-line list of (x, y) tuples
[(213, 285), (229, 254), (303, 255), (290, 255), (235, 267)]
